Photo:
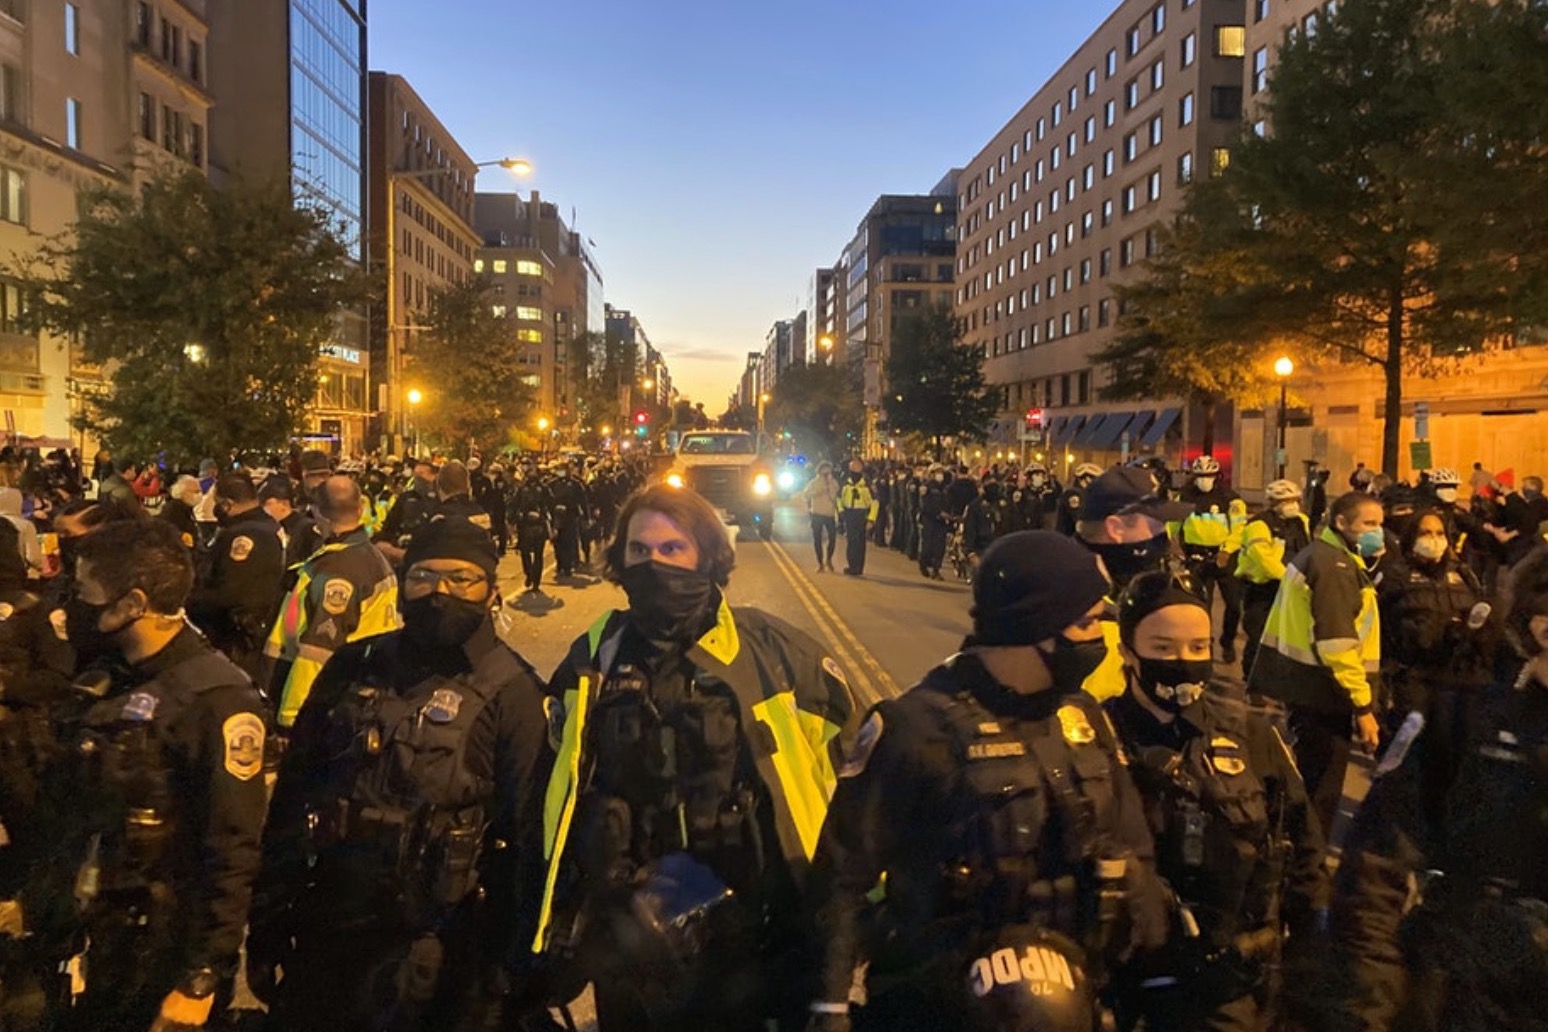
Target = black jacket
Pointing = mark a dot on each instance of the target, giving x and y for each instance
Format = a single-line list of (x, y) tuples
[(236, 600)]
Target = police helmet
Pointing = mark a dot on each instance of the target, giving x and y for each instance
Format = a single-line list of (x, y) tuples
[(1087, 471), (1028, 979), (1204, 466), (1036, 467), (1444, 476), (1282, 491)]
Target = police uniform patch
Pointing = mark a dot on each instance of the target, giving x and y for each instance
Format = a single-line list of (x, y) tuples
[(241, 548), (336, 595), (831, 668), (1077, 729), (865, 744), (140, 706), (443, 707), (243, 735), (1226, 756), (1397, 752), (56, 620)]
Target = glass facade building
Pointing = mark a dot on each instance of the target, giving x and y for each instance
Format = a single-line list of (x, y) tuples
[(327, 109)]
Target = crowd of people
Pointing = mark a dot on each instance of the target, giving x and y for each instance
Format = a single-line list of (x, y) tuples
[(279, 714)]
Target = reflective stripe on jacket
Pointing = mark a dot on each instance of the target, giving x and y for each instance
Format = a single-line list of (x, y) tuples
[(1262, 558), (857, 496), (1213, 524)]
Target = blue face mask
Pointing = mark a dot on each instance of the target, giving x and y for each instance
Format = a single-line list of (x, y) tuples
[(1371, 543)]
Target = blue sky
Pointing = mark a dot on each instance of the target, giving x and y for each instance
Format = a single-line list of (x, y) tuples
[(717, 151)]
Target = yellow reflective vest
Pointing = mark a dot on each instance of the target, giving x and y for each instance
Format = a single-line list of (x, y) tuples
[(343, 592), (857, 496), (782, 681), (1215, 523), (1262, 558)]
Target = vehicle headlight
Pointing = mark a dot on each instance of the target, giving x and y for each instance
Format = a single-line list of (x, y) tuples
[(675, 479), (761, 485), (786, 480)]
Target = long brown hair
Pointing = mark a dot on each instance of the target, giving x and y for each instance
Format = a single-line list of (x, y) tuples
[(689, 511)]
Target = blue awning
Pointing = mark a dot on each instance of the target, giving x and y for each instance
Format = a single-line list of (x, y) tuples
[(1162, 425), (1107, 435), (1089, 432), (1137, 428), (1055, 425), (1071, 429)]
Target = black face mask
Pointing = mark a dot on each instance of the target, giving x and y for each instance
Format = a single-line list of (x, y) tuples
[(439, 621), (1174, 684), (81, 628), (1127, 561), (668, 603), (1071, 662)]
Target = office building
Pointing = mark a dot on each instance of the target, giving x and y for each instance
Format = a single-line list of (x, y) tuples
[(627, 336), (289, 84), (1064, 202)]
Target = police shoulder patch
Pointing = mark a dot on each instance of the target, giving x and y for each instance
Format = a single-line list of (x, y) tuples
[(443, 707), (1077, 729), (243, 734), (865, 744), (336, 595), (241, 548)]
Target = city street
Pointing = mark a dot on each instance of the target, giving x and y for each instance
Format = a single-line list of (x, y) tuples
[(885, 629)]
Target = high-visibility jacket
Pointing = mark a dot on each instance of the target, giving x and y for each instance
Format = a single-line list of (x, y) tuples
[(1262, 558), (856, 495), (1322, 644), (1107, 681), (1215, 523), (344, 592), (782, 681)]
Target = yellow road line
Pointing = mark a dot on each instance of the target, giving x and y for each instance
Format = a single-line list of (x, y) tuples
[(881, 684), (810, 601)]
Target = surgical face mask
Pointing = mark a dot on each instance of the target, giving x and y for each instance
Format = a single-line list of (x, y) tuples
[(1446, 494), (1430, 547), (1288, 510), (439, 621), (1368, 544), (1037, 480), (1173, 684), (668, 603), (1205, 484), (939, 478), (1071, 662)]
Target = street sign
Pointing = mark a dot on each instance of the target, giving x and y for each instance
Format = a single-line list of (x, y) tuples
[(1422, 422), (1419, 454), (1030, 436)]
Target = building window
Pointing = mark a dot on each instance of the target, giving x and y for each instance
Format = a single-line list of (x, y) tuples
[(1126, 253), (196, 145), (1112, 63), (1130, 148), (498, 311), (529, 314), (1153, 191), (1091, 82), (1219, 160), (142, 24), (1133, 41), (478, 265), (1156, 125), (1190, 49), (1091, 129), (1230, 41), (1105, 262), (1107, 213), (1157, 75), (196, 61), (73, 123), (1260, 10), (1260, 70), (1083, 321), (147, 117), (72, 28), (1131, 95), (528, 268), (500, 266), (1104, 312), (1185, 168), (172, 130), (13, 195), (1158, 19), (1107, 164), (1225, 102), (1185, 110), (1109, 114)]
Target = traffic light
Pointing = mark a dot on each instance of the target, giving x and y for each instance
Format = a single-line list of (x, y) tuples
[(641, 423)]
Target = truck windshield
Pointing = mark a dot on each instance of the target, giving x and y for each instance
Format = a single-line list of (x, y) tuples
[(717, 444)]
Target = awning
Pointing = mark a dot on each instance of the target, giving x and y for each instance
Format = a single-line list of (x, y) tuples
[(1162, 425), (1106, 436), (1071, 429), (1142, 420), (1092, 428), (1055, 425)]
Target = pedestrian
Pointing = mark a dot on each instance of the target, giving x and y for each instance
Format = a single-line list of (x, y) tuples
[(410, 509), (22, 538), (530, 514), (697, 745), (158, 796), (857, 508), (1269, 540), (1236, 839), (1321, 649), (345, 591), (822, 495), (570, 504), (1211, 536), (399, 884), (236, 596), (182, 501), (119, 485), (992, 802)]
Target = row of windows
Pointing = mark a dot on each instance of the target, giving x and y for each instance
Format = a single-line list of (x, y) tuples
[(437, 228), (1050, 392), (180, 135), (189, 60), (499, 266)]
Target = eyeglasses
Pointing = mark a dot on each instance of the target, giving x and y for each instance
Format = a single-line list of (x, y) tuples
[(459, 583)]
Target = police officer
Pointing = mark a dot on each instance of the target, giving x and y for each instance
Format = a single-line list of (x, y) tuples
[(344, 592), (857, 511), (696, 751), (1074, 497), (1438, 913), (402, 856), (934, 522), (570, 504), (1269, 540), (453, 488), (1043, 488), (530, 514), (1235, 836), (410, 509), (236, 598), (991, 796), (159, 797), (987, 518), (298, 529), (1211, 535)]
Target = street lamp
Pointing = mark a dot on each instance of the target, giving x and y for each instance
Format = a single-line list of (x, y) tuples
[(414, 397), (542, 425), (825, 347), (1283, 367), (763, 399)]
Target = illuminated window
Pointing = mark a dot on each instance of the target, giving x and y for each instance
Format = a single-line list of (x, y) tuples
[(500, 266), (528, 268), (499, 311), (528, 314), (530, 336), (478, 265), (1230, 41), (1219, 160)]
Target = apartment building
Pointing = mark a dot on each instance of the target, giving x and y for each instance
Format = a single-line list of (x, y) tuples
[(1065, 202)]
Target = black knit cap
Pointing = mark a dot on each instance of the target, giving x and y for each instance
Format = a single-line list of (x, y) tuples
[(453, 537), (1031, 585)]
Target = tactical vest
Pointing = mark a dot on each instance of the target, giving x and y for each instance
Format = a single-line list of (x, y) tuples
[(128, 792), (1032, 833), (1218, 845), (401, 835)]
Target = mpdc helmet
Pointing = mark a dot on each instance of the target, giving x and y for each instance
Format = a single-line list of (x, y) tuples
[(1282, 491), (1204, 466), (1028, 979), (1087, 471), (1444, 476)]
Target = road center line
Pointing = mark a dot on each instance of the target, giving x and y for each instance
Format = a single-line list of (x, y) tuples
[(806, 595)]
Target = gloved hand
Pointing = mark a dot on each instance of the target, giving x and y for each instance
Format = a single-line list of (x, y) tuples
[(180, 1012), (267, 944)]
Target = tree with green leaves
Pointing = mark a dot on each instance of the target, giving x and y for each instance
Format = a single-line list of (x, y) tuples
[(1390, 216), (935, 386), (208, 308), (819, 407), (469, 362)]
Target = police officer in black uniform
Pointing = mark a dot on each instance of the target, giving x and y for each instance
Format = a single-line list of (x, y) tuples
[(993, 797), (1073, 499), (409, 511), (570, 504), (933, 523), (1235, 836), (530, 513), (402, 860), (157, 795), (239, 593), (299, 530), (453, 488)]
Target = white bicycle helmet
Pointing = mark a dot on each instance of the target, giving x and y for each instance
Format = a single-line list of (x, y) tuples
[(1204, 466), (1088, 469), (1444, 476), (1282, 491)]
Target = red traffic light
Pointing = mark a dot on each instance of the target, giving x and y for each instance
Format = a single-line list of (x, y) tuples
[(1034, 419), (641, 417)]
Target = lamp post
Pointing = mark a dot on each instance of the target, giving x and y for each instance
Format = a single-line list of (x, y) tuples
[(763, 399), (542, 425), (414, 397), (515, 166), (1283, 367)]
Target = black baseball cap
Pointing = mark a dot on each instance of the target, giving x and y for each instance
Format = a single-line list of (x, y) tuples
[(1126, 490)]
